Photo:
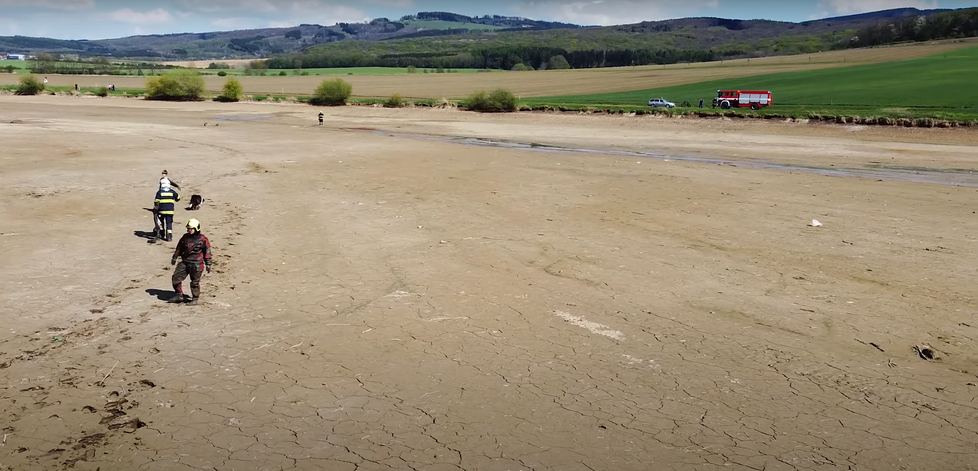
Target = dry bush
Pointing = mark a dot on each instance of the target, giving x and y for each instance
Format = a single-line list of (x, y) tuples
[(332, 93), (29, 85), (177, 85), (395, 101), (498, 101)]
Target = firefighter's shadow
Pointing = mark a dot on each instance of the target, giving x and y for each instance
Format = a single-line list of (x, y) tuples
[(160, 294), (150, 237)]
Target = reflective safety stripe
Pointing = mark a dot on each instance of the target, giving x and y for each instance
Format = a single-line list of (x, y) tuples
[(165, 212), (166, 201)]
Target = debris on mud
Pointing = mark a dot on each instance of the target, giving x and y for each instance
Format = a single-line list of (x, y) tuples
[(871, 344), (925, 352)]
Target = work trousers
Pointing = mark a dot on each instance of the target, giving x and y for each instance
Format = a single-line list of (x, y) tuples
[(166, 229), (184, 269)]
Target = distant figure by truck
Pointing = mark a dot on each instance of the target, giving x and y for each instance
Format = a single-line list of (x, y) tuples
[(756, 100)]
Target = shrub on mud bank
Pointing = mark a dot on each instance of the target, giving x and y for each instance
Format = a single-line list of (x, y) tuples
[(395, 101), (332, 93), (499, 101), (177, 85), (29, 85), (232, 92)]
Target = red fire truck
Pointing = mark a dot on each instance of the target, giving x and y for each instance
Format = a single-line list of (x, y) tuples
[(756, 100)]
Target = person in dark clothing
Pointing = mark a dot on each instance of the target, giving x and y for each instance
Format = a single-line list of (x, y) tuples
[(164, 205), (321, 116), (194, 251)]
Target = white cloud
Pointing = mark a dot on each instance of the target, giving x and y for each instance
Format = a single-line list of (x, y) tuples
[(235, 23), (391, 3), (283, 23), (611, 12), (338, 14), (851, 7), (128, 15), (211, 6), (9, 28), (273, 13), (71, 5), (321, 14)]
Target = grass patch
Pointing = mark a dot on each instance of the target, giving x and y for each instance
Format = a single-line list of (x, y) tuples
[(18, 66), (940, 86), (334, 71), (133, 92)]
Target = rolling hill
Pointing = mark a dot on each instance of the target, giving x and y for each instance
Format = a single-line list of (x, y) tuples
[(266, 42), (449, 40), (658, 42)]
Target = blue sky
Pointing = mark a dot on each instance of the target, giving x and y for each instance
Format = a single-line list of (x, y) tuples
[(98, 19)]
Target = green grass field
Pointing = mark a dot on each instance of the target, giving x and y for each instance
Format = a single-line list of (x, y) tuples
[(21, 68), (942, 86), (16, 64), (450, 25), (338, 71)]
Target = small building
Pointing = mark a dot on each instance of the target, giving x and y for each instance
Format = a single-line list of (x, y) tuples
[(16, 57), (3, 56)]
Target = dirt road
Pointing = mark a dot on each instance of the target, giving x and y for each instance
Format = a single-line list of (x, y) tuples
[(399, 290)]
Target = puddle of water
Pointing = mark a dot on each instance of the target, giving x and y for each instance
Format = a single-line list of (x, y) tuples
[(942, 176), (243, 117)]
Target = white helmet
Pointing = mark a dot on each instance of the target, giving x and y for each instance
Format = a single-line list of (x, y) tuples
[(165, 183)]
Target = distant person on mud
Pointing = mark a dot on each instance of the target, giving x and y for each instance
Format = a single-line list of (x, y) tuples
[(321, 116), (194, 251), (165, 179)]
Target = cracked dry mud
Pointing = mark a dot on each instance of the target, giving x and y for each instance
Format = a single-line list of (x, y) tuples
[(379, 302)]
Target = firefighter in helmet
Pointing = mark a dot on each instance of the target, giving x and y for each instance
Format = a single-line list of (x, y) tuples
[(194, 251), (163, 207)]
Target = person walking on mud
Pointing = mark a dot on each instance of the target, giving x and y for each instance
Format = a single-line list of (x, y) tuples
[(163, 207), (321, 116), (194, 251), (165, 180)]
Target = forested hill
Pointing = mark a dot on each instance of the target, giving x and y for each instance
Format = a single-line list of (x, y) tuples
[(266, 42), (653, 42), (449, 40)]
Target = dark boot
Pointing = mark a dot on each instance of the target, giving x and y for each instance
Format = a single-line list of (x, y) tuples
[(178, 296), (193, 301)]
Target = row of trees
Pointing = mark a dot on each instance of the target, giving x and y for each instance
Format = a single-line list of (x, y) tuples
[(46, 63), (947, 25), (501, 57)]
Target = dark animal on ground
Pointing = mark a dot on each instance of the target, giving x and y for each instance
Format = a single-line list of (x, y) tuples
[(195, 202)]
